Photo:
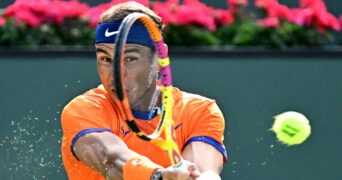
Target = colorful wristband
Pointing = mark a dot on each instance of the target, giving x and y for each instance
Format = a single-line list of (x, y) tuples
[(140, 168)]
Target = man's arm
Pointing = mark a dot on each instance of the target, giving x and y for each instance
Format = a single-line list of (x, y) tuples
[(104, 152), (107, 154), (207, 158)]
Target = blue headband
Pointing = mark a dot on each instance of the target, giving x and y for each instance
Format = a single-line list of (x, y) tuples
[(107, 32)]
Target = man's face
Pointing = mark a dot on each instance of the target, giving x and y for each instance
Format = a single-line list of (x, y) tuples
[(140, 72)]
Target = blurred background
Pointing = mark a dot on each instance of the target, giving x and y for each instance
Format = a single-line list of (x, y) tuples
[(253, 78)]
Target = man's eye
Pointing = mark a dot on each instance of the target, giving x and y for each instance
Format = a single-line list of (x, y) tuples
[(106, 59), (130, 59)]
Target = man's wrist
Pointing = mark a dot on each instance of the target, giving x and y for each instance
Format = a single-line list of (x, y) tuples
[(140, 167)]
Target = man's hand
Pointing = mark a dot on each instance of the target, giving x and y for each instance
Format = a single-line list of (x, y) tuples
[(190, 173), (209, 175)]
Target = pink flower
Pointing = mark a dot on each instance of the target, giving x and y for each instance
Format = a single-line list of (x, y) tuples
[(315, 4), (340, 19), (243, 2), (95, 12), (2, 21), (166, 10), (302, 17), (29, 18), (269, 22), (233, 4), (320, 15), (37, 12), (264, 3), (25, 12), (189, 12), (66, 9), (328, 20), (274, 8), (197, 13), (223, 17)]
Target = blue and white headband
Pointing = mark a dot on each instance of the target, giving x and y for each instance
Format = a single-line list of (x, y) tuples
[(107, 32)]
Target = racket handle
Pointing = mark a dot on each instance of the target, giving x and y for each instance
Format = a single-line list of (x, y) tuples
[(180, 165)]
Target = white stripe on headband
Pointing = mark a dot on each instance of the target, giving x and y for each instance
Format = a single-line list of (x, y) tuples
[(107, 32)]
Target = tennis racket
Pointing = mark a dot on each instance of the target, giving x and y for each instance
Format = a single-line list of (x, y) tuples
[(166, 123)]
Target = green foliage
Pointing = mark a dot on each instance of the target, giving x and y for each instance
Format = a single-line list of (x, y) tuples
[(238, 33), (189, 35), (235, 26), (247, 33)]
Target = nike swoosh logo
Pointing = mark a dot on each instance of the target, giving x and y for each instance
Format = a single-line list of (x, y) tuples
[(108, 34)]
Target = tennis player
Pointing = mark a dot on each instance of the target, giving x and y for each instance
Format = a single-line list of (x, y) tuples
[(97, 143)]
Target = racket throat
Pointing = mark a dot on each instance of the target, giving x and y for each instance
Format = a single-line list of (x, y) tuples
[(133, 126)]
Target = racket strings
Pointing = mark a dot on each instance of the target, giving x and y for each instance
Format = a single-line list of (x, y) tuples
[(165, 71), (154, 99), (164, 135)]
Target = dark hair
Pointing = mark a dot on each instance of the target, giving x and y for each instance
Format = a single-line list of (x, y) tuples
[(120, 11)]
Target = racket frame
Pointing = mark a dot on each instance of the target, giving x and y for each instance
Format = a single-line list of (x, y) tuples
[(166, 123)]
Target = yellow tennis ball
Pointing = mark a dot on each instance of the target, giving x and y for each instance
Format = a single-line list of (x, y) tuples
[(291, 128)]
